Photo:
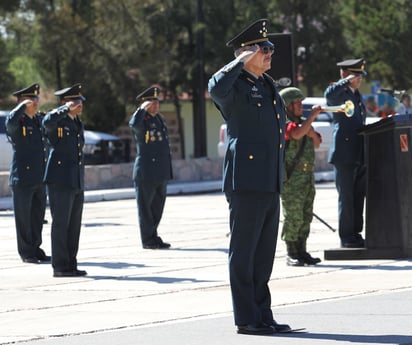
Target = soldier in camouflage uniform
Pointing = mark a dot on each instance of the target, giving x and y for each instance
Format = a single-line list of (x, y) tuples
[(299, 180)]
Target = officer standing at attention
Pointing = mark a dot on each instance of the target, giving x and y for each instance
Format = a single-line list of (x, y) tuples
[(347, 152), (255, 117), (299, 178), (152, 167), (65, 179), (24, 129)]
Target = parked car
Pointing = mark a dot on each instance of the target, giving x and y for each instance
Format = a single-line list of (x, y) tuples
[(99, 148), (6, 152), (322, 124), (104, 148)]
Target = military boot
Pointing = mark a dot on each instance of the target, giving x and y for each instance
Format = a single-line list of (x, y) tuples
[(304, 255), (293, 258)]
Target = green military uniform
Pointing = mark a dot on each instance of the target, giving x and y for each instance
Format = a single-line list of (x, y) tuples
[(298, 189), (299, 183)]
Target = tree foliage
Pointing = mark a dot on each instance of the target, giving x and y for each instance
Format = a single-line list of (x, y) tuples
[(119, 48)]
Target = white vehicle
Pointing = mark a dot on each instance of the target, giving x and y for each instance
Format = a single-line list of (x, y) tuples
[(322, 124), (6, 151)]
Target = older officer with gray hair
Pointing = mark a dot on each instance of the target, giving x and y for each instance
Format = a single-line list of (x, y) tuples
[(255, 117)]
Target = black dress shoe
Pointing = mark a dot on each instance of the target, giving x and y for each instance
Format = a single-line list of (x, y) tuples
[(74, 273), (160, 245), (358, 243), (41, 255), (255, 329), (31, 260), (281, 328)]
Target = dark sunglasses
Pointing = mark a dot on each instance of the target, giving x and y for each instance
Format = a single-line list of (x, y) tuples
[(266, 49)]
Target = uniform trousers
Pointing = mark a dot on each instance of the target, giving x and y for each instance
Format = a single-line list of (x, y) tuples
[(151, 198), (297, 200), (350, 180), (254, 221), (29, 203), (66, 206)]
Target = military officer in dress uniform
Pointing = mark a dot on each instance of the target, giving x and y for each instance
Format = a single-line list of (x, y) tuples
[(255, 117), (65, 179), (347, 152), (152, 167), (24, 129)]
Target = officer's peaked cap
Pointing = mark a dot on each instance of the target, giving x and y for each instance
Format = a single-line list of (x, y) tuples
[(71, 93), (30, 91), (150, 94), (356, 66), (290, 94), (256, 33)]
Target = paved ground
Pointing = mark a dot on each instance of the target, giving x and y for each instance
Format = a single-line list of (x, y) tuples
[(181, 296)]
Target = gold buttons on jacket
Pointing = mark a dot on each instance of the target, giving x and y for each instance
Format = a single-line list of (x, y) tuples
[(251, 157), (259, 104)]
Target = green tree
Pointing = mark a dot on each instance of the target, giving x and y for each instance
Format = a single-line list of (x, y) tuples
[(318, 39), (380, 31)]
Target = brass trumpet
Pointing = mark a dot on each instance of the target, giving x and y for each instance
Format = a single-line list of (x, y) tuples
[(348, 108)]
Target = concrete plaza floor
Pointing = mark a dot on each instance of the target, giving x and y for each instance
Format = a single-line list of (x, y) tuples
[(181, 295)]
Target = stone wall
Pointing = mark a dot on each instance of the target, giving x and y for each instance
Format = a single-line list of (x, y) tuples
[(184, 170), (120, 175)]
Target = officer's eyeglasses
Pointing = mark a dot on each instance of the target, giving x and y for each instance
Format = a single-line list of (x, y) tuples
[(266, 49)]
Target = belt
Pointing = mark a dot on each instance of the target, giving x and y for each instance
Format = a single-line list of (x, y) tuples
[(305, 167)]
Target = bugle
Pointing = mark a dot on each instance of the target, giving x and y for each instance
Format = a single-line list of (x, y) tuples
[(348, 108)]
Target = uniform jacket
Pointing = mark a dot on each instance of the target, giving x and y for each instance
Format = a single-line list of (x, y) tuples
[(347, 144), (255, 117), (153, 160), (66, 139), (293, 147), (29, 149)]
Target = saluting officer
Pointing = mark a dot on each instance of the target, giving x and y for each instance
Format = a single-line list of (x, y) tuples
[(24, 129), (152, 167), (347, 152), (65, 179), (252, 181)]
